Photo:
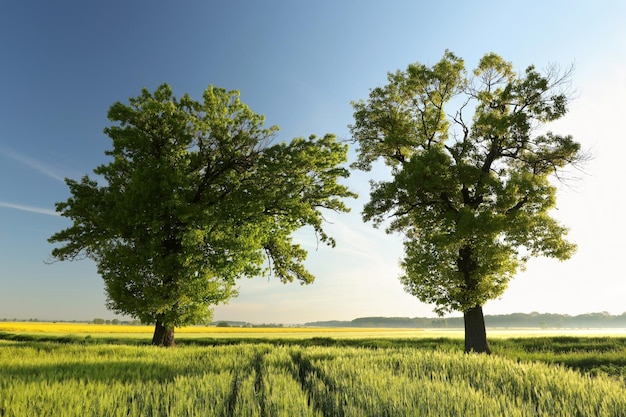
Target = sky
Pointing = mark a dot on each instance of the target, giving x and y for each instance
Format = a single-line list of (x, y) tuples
[(63, 63)]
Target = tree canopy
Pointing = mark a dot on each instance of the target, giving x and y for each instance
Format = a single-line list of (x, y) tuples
[(195, 196), (471, 188)]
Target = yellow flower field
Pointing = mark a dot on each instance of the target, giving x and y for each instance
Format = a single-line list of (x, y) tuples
[(209, 331), (48, 327), (285, 332)]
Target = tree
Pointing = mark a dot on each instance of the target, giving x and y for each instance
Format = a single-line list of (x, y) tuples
[(195, 197), (472, 199)]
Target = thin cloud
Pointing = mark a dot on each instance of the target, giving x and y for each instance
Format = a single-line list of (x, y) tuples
[(30, 209), (34, 164)]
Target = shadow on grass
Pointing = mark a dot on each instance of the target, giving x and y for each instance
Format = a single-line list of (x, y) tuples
[(74, 339), (123, 371), (591, 355)]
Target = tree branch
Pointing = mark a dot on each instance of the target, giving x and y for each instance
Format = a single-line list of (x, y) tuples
[(517, 206)]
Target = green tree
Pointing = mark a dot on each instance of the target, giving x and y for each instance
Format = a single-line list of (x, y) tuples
[(470, 190), (195, 197)]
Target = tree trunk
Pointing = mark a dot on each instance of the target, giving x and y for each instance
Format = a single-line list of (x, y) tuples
[(475, 333), (163, 336)]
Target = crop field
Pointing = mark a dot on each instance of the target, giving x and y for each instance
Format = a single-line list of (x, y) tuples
[(316, 375), (134, 331), (95, 330)]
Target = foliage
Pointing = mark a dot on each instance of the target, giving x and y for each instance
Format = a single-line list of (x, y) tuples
[(196, 196), (261, 379), (472, 199)]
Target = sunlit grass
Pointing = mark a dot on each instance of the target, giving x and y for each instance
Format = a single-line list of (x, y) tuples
[(260, 379), (80, 369)]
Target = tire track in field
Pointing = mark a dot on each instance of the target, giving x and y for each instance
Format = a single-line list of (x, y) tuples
[(259, 386), (231, 401), (307, 373), (241, 374)]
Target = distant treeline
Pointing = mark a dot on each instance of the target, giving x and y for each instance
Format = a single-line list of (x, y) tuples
[(540, 320), (535, 320)]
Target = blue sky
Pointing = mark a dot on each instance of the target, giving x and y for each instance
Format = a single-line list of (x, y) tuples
[(63, 63)]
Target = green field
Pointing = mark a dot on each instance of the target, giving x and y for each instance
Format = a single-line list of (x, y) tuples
[(322, 374)]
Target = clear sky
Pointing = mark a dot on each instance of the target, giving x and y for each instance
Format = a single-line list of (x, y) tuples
[(63, 63)]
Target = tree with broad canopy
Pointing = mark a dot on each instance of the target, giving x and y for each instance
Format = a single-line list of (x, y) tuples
[(195, 197), (470, 190)]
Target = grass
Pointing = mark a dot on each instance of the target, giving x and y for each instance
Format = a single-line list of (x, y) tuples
[(316, 377), (71, 370), (592, 355), (583, 350)]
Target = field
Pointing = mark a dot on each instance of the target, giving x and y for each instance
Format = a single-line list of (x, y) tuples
[(105, 330), (306, 372)]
